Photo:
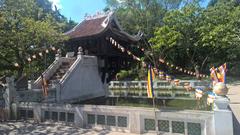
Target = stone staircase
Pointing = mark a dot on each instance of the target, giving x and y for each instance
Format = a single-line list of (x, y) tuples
[(69, 79), (61, 71)]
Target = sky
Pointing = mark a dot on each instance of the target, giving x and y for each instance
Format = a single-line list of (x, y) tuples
[(76, 9)]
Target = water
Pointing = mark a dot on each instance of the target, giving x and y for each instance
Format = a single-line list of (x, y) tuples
[(178, 104)]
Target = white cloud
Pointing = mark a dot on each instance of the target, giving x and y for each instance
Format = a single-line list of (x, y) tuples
[(56, 3)]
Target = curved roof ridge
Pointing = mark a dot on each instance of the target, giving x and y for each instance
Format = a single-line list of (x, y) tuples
[(107, 15), (99, 23), (99, 15)]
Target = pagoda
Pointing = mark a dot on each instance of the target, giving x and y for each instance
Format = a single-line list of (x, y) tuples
[(101, 35)]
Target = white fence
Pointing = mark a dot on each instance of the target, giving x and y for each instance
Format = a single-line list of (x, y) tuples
[(158, 84), (122, 119), (163, 89)]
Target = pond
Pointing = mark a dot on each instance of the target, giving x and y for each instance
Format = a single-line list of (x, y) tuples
[(176, 104)]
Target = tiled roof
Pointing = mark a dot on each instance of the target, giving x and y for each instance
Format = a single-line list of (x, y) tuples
[(92, 26), (88, 27)]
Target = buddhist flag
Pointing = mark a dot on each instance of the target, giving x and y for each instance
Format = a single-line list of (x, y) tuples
[(44, 86), (213, 75), (222, 73), (150, 79)]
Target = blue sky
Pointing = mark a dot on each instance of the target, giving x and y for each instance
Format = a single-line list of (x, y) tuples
[(76, 9)]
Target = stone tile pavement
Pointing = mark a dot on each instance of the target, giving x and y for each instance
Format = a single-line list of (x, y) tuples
[(31, 128)]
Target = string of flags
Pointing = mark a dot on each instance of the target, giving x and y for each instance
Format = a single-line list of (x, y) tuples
[(182, 69), (40, 54), (122, 49), (168, 77)]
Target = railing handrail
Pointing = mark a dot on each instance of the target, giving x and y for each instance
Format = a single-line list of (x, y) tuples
[(56, 64), (67, 74), (139, 84)]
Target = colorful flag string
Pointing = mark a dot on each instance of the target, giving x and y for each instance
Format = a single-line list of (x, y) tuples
[(30, 58), (182, 69)]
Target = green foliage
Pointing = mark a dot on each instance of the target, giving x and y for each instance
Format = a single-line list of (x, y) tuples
[(183, 32), (196, 36), (27, 27), (159, 19), (138, 15)]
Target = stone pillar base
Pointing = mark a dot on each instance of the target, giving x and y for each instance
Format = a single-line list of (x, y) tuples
[(221, 103)]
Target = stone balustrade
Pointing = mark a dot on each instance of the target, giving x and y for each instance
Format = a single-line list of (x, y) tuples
[(171, 94), (157, 84), (36, 95), (123, 119), (162, 89)]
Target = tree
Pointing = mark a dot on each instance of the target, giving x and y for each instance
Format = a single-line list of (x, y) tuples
[(220, 32), (196, 36), (25, 30)]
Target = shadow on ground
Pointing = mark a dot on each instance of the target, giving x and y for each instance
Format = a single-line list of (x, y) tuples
[(31, 128)]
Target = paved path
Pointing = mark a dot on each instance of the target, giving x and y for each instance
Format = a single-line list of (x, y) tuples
[(234, 95), (31, 128)]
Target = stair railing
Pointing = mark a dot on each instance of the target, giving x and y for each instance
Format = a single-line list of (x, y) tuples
[(48, 72), (67, 74)]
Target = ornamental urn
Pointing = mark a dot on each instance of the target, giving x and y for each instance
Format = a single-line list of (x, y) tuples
[(220, 89)]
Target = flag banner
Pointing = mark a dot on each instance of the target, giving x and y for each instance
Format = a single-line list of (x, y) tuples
[(222, 73), (44, 86), (150, 79), (218, 74), (213, 75)]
